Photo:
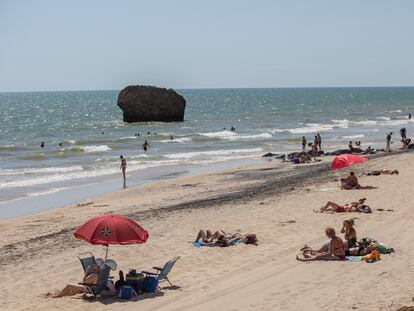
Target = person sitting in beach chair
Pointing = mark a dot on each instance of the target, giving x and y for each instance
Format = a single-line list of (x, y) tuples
[(336, 249), (96, 275)]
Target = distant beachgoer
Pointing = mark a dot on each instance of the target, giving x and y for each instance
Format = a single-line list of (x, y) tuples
[(351, 182), (350, 233), (358, 143), (351, 148), (314, 151), (333, 207), (148, 133), (406, 142), (145, 146), (403, 133), (42, 145), (409, 116), (155, 133), (224, 128), (368, 150), (303, 143), (336, 250), (232, 128), (171, 137), (388, 146), (102, 132), (319, 141), (60, 144), (123, 166)]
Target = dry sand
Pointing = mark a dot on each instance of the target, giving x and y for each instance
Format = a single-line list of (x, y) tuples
[(38, 252)]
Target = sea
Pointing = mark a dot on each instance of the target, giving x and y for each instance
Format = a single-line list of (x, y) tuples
[(89, 126)]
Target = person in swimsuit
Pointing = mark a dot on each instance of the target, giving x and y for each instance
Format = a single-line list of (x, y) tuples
[(319, 141), (303, 143), (351, 182), (334, 208), (145, 146), (336, 249), (123, 166), (350, 233), (90, 277)]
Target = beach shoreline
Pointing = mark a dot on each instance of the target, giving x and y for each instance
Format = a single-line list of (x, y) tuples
[(273, 201)]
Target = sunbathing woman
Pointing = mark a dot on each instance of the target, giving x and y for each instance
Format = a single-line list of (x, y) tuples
[(90, 277), (207, 237), (332, 207), (350, 233), (336, 249)]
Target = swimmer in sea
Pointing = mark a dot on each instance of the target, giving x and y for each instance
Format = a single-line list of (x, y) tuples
[(145, 146), (42, 145)]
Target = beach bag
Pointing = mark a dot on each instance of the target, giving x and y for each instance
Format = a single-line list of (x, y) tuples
[(126, 292), (150, 284)]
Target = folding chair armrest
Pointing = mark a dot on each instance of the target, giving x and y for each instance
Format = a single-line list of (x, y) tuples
[(85, 284), (149, 273), (157, 268)]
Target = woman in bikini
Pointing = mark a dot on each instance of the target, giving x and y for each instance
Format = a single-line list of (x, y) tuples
[(336, 249), (350, 233)]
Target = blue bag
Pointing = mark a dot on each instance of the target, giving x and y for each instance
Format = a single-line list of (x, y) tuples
[(150, 284), (126, 292)]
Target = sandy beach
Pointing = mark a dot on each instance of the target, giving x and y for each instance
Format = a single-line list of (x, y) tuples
[(276, 202)]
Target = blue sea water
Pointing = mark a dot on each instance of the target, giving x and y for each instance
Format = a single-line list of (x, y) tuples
[(89, 125)]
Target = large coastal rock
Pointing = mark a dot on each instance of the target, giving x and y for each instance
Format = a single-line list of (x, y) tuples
[(149, 103)]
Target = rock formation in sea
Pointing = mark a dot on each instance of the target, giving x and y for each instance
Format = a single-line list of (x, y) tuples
[(141, 103)]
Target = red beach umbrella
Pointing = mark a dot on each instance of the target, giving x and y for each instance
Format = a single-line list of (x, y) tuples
[(111, 229), (345, 160)]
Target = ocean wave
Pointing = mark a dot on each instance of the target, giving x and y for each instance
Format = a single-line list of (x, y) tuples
[(8, 147), (49, 191), (383, 118), (177, 140), (354, 136), (395, 111), (34, 156), (396, 122), (365, 122), (249, 137), (221, 134), (229, 135), (92, 149), (189, 155), (40, 170)]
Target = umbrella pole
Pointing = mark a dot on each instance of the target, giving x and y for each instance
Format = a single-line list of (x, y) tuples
[(106, 253)]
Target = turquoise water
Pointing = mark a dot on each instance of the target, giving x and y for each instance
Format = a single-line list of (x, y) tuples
[(89, 125)]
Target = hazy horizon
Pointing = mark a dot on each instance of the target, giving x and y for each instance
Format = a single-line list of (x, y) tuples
[(104, 45)]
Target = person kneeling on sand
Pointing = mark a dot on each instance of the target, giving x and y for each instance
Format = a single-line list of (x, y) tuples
[(336, 249)]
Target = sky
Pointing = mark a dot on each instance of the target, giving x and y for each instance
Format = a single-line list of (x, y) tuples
[(48, 45)]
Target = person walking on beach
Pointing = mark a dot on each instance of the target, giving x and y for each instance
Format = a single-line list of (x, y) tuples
[(409, 116), (145, 146), (303, 143), (388, 146), (42, 145), (319, 141), (123, 166)]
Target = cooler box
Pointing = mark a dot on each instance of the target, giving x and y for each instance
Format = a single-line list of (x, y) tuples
[(136, 280)]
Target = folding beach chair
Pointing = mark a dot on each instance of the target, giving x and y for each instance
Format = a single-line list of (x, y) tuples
[(86, 261), (101, 284), (162, 273)]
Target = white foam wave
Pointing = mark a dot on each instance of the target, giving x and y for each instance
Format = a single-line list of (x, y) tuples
[(365, 122), (177, 140), (383, 118), (47, 170), (230, 152), (396, 111), (49, 191), (354, 136), (221, 134), (92, 149), (249, 137)]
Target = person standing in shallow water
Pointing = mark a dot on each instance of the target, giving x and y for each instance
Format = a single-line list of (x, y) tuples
[(319, 141), (42, 145), (388, 146), (145, 146), (123, 166), (303, 143)]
